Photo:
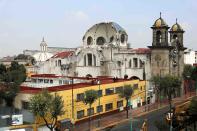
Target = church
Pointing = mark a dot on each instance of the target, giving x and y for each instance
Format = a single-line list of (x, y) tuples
[(106, 52)]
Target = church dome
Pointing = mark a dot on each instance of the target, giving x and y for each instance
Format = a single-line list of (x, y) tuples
[(160, 23), (105, 33), (176, 27), (42, 56)]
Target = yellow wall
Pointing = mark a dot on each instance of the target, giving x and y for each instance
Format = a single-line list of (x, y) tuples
[(67, 97)]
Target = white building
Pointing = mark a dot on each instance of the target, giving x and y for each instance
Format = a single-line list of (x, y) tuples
[(189, 57), (105, 52)]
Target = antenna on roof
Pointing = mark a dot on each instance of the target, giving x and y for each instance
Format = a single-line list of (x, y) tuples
[(160, 14), (176, 20)]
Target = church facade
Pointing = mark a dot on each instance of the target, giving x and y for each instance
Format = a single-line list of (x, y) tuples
[(106, 52)]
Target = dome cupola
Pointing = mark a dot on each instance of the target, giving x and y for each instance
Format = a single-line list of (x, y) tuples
[(105, 33), (176, 27)]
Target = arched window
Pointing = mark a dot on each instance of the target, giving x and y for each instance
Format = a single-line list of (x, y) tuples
[(122, 38), (130, 63), (100, 41), (158, 37), (89, 59), (89, 40), (94, 60), (84, 60), (175, 37)]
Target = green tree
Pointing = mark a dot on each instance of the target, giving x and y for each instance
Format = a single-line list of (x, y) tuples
[(193, 107), (48, 107), (126, 93), (156, 81), (10, 80), (90, 97), (187, 71), (170, 85)]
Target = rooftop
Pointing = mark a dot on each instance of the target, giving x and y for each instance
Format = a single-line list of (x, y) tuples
[(89, 82)]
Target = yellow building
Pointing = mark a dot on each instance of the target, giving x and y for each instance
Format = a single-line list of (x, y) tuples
[(72, 94)]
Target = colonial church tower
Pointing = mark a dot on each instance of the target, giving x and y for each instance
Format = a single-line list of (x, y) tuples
[(166, 57), (177, 49), (160, 49)]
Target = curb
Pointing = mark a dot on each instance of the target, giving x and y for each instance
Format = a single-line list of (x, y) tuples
[(141, 114)]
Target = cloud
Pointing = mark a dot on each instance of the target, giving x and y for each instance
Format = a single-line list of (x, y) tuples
[(81, 15), (77, 15)]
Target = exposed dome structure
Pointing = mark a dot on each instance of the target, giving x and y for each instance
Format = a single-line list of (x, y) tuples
[(176, 27), (43, 55), (105, 33), (160, 23)]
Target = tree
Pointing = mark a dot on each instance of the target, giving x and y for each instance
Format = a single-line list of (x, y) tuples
[(10, 80), (156, 82), (187, 76), (193, 107), (170, 85), (90, 97), (187, 71), (48, 107), (126, 93)]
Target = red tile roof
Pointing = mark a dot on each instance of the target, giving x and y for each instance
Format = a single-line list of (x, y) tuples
[(46, 75), (63, 54), (33, 90), (141, 50)]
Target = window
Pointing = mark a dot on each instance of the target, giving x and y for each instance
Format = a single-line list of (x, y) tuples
[(84, 60), (34, 80), (80, 114), (119, 104), (111, 39), (46, 81), (100, 93), (109, 91), (158, 37), (135, 85), (99, 108), (119, 63), (135, 62), (122, 39), (130, 63), (94, 60), (100, 41), (25, 105), (90, 111), (119, 89), (141, 63), (40, 80), (89, 59), (51, 81), (80, 97), (89, 40), (59, 62), (60, 82), (108, 107)]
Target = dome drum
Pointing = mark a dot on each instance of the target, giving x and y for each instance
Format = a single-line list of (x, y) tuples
[(105, 33)]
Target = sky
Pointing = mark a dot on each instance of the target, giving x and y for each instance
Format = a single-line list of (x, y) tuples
[(63, 23)]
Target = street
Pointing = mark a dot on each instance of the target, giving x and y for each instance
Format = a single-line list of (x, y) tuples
[(137, 122)]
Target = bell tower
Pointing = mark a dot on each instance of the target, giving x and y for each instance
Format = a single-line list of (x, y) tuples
[(160, 32), (177, 49), (160, 49)]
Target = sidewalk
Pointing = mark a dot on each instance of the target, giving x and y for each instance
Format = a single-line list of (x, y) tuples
[(120, 117)]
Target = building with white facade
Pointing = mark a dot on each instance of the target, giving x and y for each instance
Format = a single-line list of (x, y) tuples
[(105, 52), (189, 57)]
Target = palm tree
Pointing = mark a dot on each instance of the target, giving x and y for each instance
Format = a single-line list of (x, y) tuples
[(90, 97), (126, 93)]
